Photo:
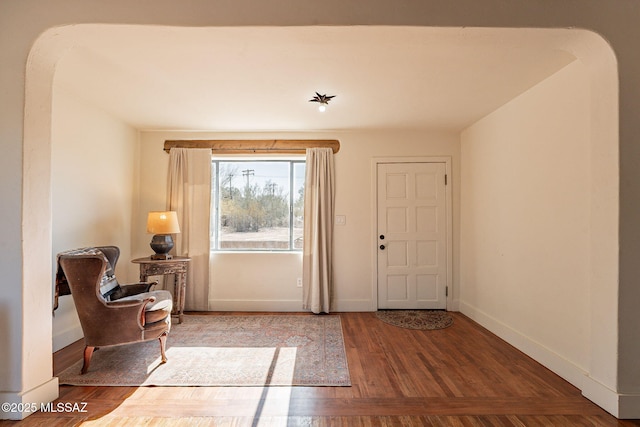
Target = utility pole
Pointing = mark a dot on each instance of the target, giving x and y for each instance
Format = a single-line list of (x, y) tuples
[(230, 187), (271, 188), (247, 173)]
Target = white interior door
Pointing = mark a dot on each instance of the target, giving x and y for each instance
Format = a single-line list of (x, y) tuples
[(412, 236)]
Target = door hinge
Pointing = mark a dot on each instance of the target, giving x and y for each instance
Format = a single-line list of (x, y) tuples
[(446, 291), (445, 179)]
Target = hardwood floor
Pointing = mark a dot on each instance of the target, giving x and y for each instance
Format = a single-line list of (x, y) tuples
[(459, 376)]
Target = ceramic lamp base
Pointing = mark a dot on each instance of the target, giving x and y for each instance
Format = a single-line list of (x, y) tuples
[(161, 245)]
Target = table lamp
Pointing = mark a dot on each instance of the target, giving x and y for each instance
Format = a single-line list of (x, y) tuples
[(162, 224)]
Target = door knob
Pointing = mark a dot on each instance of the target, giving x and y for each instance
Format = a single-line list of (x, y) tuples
[(382, 247)]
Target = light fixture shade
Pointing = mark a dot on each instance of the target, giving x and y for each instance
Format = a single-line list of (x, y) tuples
[(162, 222), (322, 100)]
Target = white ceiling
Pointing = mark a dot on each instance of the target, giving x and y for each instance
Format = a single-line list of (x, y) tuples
[(261, 78)]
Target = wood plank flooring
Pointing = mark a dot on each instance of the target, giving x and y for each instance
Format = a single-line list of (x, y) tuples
[(459, 376)]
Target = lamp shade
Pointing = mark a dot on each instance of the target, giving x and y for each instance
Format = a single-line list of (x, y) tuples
[(162, 222)]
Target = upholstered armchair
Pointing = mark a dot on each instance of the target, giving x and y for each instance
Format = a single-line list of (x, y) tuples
[(112, 314)]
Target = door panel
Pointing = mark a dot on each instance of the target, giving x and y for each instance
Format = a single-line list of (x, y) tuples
[(396, 220), (427, 219), (397, 287), (427, 254), (427, 287), (412, 256), (397, 254)]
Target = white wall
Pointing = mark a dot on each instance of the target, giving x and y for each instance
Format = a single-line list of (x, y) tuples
[(268, 281), (92, 185), (525, 222)]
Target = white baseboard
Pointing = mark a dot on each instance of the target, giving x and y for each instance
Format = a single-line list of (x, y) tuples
[(28, 401), (622, 406), (352, 305), (560, 366), (255, 305), (283, 305), (598, 393)]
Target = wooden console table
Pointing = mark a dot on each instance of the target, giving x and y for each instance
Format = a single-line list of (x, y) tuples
[(177, 266)]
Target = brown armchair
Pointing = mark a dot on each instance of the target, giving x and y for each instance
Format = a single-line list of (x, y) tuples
[(128, 314)]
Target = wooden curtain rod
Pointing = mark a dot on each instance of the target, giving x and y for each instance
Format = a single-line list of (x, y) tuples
[(259, 146)]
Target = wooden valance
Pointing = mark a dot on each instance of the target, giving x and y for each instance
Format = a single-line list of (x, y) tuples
[(255, 146)]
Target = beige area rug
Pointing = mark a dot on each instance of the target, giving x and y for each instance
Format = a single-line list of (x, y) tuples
[(416, 319), (227, 350)]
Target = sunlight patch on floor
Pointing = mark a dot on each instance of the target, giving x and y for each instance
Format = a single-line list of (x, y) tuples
[(267, 405)]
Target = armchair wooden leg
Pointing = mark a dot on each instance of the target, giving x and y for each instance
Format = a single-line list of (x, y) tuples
[(163, 343), (88, 352)]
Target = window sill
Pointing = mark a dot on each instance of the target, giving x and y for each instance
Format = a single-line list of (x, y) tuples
[(248, 252)]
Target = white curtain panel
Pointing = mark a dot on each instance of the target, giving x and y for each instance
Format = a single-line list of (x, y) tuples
[(189, 194), (317, 266)]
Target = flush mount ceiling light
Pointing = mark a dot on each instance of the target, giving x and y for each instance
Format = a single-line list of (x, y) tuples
[(322, 100)]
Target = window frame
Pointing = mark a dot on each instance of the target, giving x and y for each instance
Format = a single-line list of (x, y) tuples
[(216, 205)]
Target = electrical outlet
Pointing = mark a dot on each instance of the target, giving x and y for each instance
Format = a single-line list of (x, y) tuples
[(299, 282)]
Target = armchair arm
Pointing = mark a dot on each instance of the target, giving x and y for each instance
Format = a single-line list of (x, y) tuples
[(132, 301), (124, 304), (132, 289)]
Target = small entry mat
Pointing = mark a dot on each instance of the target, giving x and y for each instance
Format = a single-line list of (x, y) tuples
[(416, 319)]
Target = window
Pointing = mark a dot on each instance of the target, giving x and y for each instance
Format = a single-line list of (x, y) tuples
[(257, 205)]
